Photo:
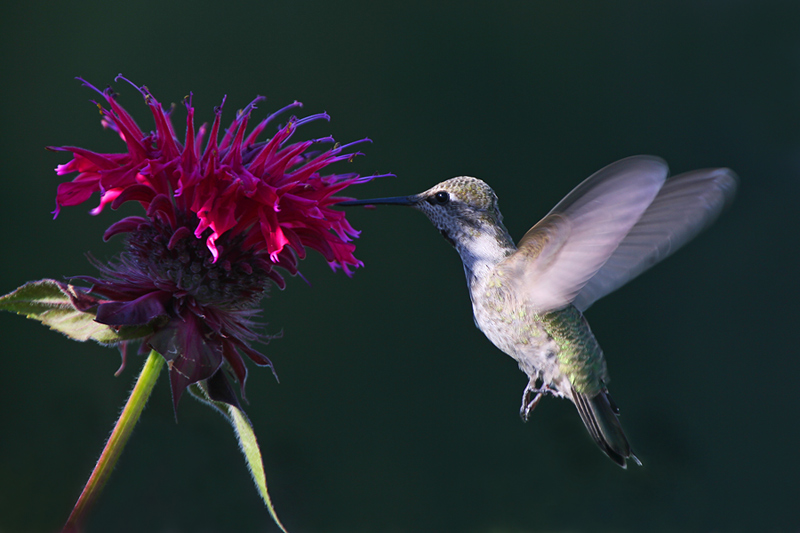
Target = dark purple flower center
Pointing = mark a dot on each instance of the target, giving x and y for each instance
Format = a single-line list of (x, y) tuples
[(178, 262)]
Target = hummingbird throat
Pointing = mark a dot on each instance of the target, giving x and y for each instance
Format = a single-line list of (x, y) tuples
[(447, 237)]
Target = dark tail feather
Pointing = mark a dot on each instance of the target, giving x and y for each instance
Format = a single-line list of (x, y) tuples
[(599, 415)]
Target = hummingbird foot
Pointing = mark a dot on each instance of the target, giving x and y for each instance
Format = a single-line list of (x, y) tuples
[(528, 403)]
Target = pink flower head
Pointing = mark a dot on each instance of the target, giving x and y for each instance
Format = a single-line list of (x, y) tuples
[(269, 194), (220, 215)]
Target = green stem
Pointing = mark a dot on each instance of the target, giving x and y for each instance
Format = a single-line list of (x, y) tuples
[(116, 443)]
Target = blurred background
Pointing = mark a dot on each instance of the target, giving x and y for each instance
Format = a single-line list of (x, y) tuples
[(394, 413)]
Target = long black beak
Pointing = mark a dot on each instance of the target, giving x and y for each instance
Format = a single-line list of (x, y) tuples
[(396, 200)]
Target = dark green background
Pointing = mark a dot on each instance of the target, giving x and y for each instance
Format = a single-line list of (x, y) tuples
[(394, 413)]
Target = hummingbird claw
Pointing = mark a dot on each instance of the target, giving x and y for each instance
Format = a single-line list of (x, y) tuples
[(528, 404)]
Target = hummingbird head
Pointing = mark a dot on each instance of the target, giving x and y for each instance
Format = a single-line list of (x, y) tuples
[(461, 208), (465, 212)]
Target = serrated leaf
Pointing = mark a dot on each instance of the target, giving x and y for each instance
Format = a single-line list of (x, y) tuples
[(56, 305), (247, 443)]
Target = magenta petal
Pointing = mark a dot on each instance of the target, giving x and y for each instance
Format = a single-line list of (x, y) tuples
[(126, 225), (75, 192), (140, 193)]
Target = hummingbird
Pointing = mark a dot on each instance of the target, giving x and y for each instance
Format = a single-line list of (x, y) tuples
[(529, 299)]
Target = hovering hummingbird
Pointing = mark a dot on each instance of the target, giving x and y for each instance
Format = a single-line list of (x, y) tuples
[(529, 299)]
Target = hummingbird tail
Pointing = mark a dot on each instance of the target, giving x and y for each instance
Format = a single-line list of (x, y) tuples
[(599, 415)]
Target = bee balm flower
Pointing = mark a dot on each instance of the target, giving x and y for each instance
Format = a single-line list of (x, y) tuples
[(220, 216)]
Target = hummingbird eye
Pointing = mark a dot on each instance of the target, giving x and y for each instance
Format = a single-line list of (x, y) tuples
[(441, 198)]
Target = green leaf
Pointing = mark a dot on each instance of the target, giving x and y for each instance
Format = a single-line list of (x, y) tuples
[(247, 443), (56, 305)]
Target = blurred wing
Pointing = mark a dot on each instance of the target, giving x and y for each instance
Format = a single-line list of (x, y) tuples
[(561, 253), (687, 204)]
